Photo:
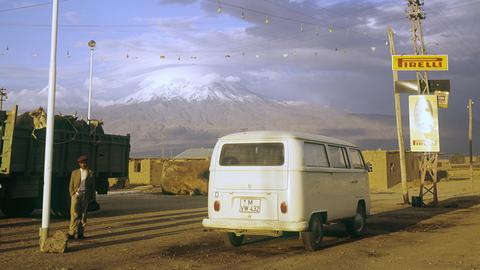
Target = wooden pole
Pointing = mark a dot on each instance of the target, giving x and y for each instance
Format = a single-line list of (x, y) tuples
[(398, 116), (470, 145)]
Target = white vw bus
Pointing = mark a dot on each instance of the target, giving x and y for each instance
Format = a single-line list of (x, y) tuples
[(270, 182)]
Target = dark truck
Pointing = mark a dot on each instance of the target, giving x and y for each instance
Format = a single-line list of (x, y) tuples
[(23, 148)]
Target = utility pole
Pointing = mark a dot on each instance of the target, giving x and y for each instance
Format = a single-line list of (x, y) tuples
[(398, 116), (3, 97), (470, 145), (429, 160), (47, 169)]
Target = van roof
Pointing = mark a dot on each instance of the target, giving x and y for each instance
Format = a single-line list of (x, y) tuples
[(271, 134)]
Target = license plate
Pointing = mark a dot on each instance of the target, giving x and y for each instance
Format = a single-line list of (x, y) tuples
[(250, 205)]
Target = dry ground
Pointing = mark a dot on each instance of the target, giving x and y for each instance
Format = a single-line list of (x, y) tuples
[(149, 231)]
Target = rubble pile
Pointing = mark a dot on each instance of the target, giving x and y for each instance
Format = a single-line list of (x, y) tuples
[(37, 120), (56, 244), (184, 178)]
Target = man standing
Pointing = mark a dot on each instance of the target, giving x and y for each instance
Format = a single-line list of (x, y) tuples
[(82, 192)]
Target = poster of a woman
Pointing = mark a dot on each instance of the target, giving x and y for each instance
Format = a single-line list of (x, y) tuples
[(423, 113)]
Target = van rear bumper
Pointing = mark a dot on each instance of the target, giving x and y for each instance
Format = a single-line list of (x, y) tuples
[(252, 226)]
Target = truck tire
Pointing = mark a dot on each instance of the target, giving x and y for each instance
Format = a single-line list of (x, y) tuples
[(356, 225), (232, 240), (19, 207), (101, 184), (60, 200), (60, 205), (312, 239)]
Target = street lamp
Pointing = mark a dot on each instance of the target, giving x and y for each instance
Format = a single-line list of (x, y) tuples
[(91, 44)]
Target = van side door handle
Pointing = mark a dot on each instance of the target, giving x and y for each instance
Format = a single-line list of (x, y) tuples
[(354, 181)]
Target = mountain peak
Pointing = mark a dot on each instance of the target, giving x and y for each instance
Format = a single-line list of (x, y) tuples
[(221, 90)]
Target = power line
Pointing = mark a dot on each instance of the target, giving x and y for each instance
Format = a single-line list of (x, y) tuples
[(14, 24), (236, 48), (302, 22), (347, 27), (151, 25), (455, 30), (29, 6), (270, 15)]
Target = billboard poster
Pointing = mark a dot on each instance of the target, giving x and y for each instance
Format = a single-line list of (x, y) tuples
[(423, 114), (442, 99)]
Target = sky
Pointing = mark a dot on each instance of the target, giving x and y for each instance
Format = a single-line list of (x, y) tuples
[(327, 52)]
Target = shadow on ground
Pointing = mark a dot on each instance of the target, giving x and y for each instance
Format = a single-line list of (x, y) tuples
[(406, 219)]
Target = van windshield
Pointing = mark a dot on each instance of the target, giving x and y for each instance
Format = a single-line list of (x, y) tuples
[(252, 154)]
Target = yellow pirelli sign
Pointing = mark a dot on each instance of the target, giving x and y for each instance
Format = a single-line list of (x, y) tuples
[(419, 62)]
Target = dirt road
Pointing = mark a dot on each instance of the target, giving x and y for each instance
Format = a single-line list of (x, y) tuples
[(149, 231)]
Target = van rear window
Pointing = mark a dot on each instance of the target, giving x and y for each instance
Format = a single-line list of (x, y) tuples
[(252, 154)]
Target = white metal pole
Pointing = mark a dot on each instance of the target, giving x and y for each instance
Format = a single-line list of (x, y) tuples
[(47, 169), (90, 87)]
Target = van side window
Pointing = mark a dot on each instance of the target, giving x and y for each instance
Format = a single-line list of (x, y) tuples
[(337, 157), (356, 158), (315, 155)]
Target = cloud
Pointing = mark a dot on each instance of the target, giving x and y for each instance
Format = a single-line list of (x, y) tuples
[(178, 2), (232, 79), (72, 17), (337, 69), (103, 86), (264, 74), (28, 99), (171, 24), (210, 78)]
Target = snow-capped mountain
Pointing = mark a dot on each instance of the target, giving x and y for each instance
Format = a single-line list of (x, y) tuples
[(181, 114), (190, 91)]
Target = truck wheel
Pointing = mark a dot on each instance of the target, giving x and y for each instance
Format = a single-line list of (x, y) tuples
[(312, 238), (60, 207), (101, 184), (60, 200), (232, 240), (356, 225), (18, 207)]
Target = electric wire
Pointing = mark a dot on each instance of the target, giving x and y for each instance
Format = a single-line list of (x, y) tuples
[(29, 6)]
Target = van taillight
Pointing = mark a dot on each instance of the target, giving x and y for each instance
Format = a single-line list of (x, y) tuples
[(283, 207), (216, 206)]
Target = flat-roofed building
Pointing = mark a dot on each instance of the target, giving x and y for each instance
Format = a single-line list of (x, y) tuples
[(385, 168)]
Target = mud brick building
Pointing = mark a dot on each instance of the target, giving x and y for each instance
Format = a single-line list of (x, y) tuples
[(385, 168), (184, 174)]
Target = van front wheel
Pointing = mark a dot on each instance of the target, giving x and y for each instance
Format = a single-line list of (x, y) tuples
[(356, 226), (312, 239), (232, 240)]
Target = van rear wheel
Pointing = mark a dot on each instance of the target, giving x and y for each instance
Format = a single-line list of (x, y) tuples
[(312, 239), (356, 225), (232, 240)]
